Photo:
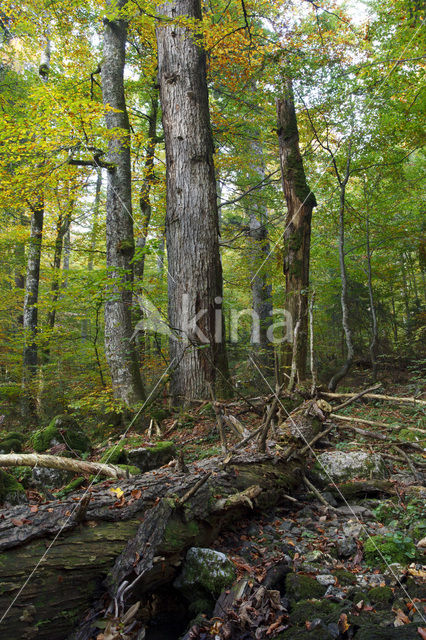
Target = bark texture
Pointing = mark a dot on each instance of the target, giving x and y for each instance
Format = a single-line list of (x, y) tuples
[(297, 235), (195, 271), (119, 349), (260, 282), (32, 280), (167, 513)]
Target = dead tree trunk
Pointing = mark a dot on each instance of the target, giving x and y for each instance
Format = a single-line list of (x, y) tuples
[(161, 514), (192, 228), (297, 234), (119, 349)]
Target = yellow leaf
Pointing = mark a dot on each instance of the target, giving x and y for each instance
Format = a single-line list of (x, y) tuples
[(118, 492)]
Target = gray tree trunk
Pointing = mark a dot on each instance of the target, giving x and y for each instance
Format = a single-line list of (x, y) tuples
[(260, 282), (344, 370), (32, 281), (297, 235), (85, 323), (120, 351), (192, 234)]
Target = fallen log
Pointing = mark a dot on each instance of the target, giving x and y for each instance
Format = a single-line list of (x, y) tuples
[(58, 462), (140, 535), (374, 396)]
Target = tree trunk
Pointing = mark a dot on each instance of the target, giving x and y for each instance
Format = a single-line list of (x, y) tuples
[(339, 375), (167, 513), (85, 323), (119, 349), (297, 234), (259, 251), (374, 331), (192, 234), (32, 281)]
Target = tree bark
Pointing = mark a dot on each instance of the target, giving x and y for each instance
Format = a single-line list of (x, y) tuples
[(192, 233), (344, 370), (119, 349), (167, 513), (373, 315), (47, 461), (297, 235), (32, 281), (259, 251)]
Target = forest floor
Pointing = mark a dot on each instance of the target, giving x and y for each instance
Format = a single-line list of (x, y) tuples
[(351, 568)]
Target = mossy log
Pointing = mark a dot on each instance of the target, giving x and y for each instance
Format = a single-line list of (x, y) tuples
[(59, 561)]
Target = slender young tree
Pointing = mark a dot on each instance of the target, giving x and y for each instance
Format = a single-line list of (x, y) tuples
[(297, 234), (120, 351), (192, 233), (32, 279)]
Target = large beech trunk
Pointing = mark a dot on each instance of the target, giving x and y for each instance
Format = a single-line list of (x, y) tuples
[(119, 349), (192, 228), (144, 534), (297, 234)]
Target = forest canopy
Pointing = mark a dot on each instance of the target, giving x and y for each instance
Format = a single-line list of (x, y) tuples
[(258, 162)]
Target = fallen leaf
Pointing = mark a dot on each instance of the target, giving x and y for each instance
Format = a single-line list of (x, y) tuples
[(343, 623), (136, 493), (16, 522), (34, 508), (422, 632), (401, 618), (118, 492)]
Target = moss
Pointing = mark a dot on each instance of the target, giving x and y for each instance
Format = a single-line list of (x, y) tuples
[(62, 429), (115, 454), (345, 578), (412, 436), (133, 471), (23, 475), (299, 587), (381, 550), (10, 489), (311, 609), (380, 595), (302, 634), (179, 534), (11, 444), (359, 595), (71, 486)]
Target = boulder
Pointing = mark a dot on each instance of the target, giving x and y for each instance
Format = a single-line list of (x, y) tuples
[(148, 458), (204, 575), (50, 478), (62, 430), (11, 491), (338, 466)]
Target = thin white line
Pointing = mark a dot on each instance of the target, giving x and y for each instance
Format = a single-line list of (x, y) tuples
[(338, 146), (77, 504), (301, 435)]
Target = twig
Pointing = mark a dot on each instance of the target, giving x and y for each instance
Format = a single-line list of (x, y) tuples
[(409, 462), (376, 396), (314, 440)]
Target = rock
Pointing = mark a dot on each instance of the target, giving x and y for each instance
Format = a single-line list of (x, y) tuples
[(63, 429), (326, 580), (299, 587), (152, 457), (330, 498), (338, 466), (346, 546), (393, 573), (12, 442), (11, 491), (50, 478), (205, 574), (352, 528), (335, 594), (354, 509)]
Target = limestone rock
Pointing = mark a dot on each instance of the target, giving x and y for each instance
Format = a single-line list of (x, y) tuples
[(338, 466)]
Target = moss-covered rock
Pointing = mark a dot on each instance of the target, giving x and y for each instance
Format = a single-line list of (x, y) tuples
[(320, 633), (11, 490), (205, 574), (405, 632), (305, 610), (62, 429), (300, 587), (13, 441), (380, 595), (115, 454), (152, 457), (339, 466), (132, 471), (345, 578), (381, 550)]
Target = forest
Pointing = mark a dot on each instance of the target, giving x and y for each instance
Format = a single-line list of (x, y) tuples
[(212, 320)]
